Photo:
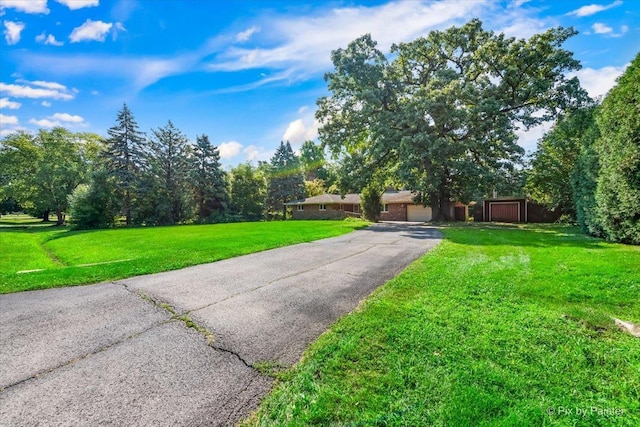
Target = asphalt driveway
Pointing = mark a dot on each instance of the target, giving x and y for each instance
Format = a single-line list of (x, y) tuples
[(179, 348)]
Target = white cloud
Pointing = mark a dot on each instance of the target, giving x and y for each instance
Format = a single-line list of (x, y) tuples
[(79, 4), (302, 129), (24, 91), (6, 132), (597, 82), (245, 35), (45, 123), (528, 139), (26, 6), (45, 104), (141, 72), (48, 39), (7, 103), (592, 9), (59, 119), (8, 120), (298, 131), (65, 117), (255, 152), (90, 30), (49, 85), (302, 45), (229, 149), (600, 28), (291, 48), (12, 31)]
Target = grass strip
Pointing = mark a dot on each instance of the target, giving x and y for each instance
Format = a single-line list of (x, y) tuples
[(64, 257)]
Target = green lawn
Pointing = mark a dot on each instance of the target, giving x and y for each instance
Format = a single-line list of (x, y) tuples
[(66, 257), (499, 326)]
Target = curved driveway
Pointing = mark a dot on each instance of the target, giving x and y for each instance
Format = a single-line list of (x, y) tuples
[(179, 348)]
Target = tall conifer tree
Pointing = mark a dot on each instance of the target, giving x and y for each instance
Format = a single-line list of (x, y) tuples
[(286, 181), (124, 156), (207, 179)]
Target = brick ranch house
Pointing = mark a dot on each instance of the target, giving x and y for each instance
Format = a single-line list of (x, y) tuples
[(396, 206)]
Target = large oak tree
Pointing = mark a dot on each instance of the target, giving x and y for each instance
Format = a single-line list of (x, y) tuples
[(441, 116)]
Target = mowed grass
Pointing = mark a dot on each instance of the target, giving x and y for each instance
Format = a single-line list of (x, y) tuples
[(66, 257), (497, 326)]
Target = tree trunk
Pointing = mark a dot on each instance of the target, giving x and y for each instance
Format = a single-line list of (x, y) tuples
[(60, 216), (284, 211), (440, 207), (45, 215), (127, 208)]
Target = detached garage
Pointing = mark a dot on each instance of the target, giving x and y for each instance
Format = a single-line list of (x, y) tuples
[(516, 210)]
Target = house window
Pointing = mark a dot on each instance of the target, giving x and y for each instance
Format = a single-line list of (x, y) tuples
[(356, 208), (323, 208), (341, 207), (385, 208), (300, 208)]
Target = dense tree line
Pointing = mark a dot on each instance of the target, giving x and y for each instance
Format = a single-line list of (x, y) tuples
[(38, 172), (588, 165), (438, 118), (136, 179)]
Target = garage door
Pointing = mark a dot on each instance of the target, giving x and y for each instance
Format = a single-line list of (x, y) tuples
[(418, 213), (504, 212)]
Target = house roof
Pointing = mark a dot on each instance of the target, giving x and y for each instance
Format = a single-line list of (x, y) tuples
[(404, 196), (328, 199), (388, 197)]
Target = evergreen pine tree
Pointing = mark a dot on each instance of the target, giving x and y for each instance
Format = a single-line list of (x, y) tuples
[(123, 155), (168, 200), (286, 181), (207, 179)]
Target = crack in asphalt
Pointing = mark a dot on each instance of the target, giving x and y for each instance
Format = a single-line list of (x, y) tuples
[(85, 356), (244, 362), (240, 407), (189, 323)]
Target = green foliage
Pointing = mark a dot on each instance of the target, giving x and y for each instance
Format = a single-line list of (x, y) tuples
[(207, 180), (491, 328), (441, 117), (314, 188), (166, 196), (124, 158), (19, 157), (583, 179), (95, 205), (555, 160), (286, 182), (43, 170), (371, 201), (68, 257), (9, 205), (248, 192), (313, 161), (618, 185)]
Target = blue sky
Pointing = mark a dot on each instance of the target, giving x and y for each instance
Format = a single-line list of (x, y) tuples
[(247, 72)]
